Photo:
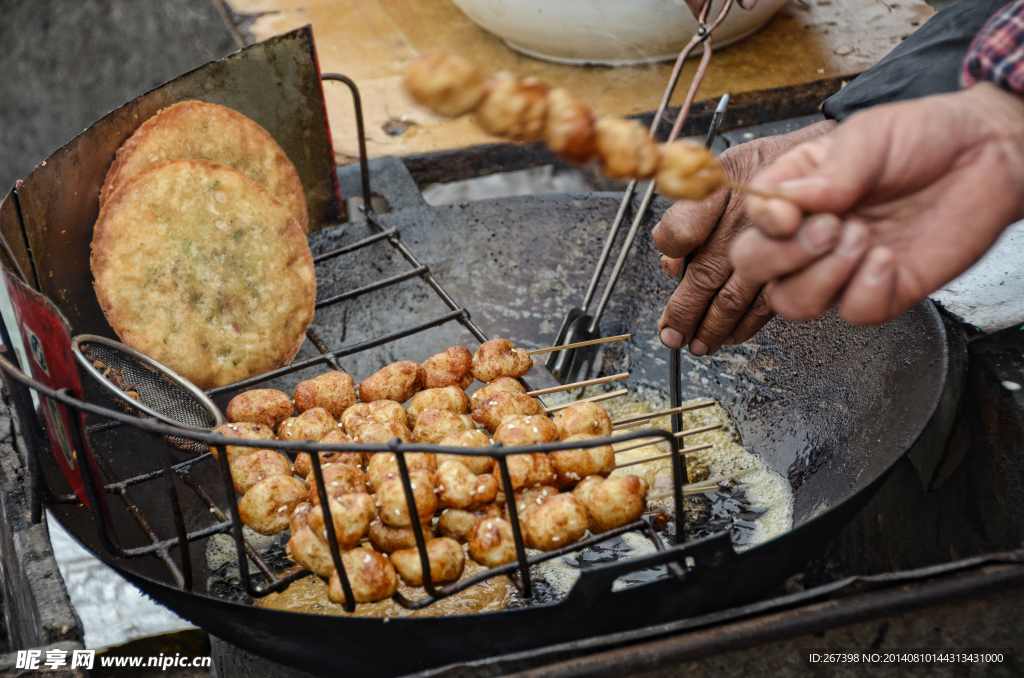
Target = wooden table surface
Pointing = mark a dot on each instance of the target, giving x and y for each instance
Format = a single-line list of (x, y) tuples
[(371, 41)]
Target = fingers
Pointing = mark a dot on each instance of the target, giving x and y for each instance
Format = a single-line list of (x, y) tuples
[(685, 309), (687, 224), (759, 258), (814, 289), (671, 266), (759, 313), (870, 298), (830, 174), (720, 320), (781, 217)]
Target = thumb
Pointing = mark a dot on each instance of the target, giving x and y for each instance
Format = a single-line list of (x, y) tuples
[(687, 224), (844, 170), (828, 175)]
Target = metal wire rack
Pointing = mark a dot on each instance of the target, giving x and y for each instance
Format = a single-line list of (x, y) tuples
[(228, 521)]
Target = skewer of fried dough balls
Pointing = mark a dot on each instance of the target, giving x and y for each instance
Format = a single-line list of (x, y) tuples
[(524, 109)]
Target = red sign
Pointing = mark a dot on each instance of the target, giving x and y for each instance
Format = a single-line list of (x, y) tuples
[(47, 342)]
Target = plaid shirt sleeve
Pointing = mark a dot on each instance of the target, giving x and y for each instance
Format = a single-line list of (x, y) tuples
[(997, 53)]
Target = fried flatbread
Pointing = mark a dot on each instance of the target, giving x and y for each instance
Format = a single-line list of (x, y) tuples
[(199, 267), (193, 130)]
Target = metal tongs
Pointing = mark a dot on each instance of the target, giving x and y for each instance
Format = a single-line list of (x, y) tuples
[(579, 323)]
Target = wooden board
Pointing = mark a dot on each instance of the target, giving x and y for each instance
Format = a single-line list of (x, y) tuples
[(372, 40)]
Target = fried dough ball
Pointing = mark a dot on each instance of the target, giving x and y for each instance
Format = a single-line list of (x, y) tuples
[(334, 391), (245, 430), (388, 410), (444, 556), (265, 406), (354, 417), (450, 368), (383, 432), (514, 108), (589, 418), (529, 499), (572, 466), (380, 411), (499, 358), (491, 542), (371, 576), (490, 413), (476, 463), (269, 503), (387, 539), (494, 388), (612, 502), (434, 424), (570, 130), (384, 465), (458, 487), (527, 470), (456, 523), (448, 398), (626, 149), (688, 171), (339, 479), (300, 516), (303, 463), (558, 521), (446, 84), (398, 381), (391, 498), (249, 469), (304, 547), (313, 424), (351, 515), (536, 428)]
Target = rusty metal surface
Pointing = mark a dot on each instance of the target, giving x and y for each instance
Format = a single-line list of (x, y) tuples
[(745, 109), (14, 241), (276, 83)]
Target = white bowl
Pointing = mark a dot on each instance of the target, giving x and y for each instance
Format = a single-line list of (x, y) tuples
[(609, 32)]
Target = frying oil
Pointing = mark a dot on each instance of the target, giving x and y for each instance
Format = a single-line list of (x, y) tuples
[(755, 507)]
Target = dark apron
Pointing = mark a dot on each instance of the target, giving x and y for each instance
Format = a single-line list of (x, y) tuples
[(928, 62)]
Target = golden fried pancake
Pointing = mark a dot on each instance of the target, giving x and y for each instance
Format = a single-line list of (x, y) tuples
[(199, 267), (193, 130)]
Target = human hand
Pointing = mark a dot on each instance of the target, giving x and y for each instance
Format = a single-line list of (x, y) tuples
[(712, 306), (887, 208)]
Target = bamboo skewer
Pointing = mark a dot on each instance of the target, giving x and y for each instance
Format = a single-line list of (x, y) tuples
[(687, 491), (591, 399), (743, 188), (707, 485), (681, 434), (580, 384), (552, 349), (647, 417), (685, 451)]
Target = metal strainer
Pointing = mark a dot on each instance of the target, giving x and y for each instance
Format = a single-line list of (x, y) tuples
[(140, 385)]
